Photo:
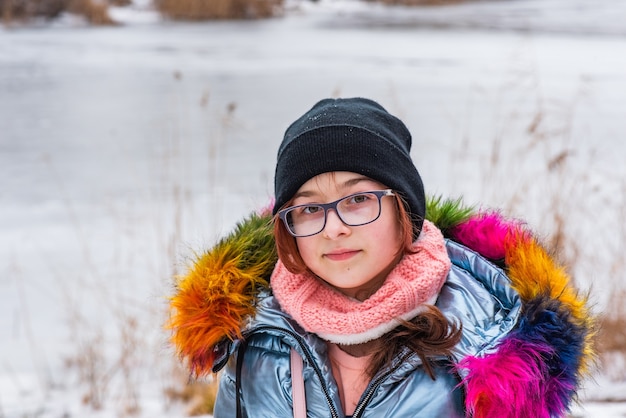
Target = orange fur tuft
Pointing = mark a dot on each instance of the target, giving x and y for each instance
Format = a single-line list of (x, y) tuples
[(215, 299)]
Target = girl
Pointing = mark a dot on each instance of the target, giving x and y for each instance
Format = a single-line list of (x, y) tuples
[(356, 297)]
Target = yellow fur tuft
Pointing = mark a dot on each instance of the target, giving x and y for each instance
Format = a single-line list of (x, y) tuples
[(534, 273)]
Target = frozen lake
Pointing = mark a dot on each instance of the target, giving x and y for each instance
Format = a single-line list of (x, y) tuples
[(124, 150)]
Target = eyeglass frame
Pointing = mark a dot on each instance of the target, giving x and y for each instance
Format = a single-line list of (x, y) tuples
[(282, 214)]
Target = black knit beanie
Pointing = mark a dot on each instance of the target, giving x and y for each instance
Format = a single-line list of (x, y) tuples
[(356, 135)]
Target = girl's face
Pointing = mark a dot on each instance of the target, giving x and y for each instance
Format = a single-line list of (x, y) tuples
[(353, 259)]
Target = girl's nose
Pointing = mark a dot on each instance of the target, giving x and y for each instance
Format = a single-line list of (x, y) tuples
[(334, 226)]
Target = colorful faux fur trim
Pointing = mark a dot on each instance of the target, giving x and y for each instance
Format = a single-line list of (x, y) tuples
[(538, 367), (218, 295), (535, 371)]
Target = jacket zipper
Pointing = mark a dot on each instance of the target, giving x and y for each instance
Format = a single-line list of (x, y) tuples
[(360, 408), (309, 357)]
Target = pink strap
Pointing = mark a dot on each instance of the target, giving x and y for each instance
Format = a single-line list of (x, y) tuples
[(297, 383)]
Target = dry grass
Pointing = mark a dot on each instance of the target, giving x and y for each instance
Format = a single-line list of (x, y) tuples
[(611, 338), (98, 372), (219, 9), (94, 11), (611, 335), (90, 364), (17, 10), (419, 2), (199, 396)]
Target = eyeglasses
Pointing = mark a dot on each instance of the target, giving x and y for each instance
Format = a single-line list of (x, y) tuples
[(353, 210)]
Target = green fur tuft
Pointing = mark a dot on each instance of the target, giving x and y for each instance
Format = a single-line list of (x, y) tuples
[(447, 213), (251, 244)]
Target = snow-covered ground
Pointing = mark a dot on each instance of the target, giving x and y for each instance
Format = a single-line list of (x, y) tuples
[(124, 150)]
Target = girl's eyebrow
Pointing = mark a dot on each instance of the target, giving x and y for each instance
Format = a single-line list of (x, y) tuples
[(346, 184), (354, 181), (305, 193)]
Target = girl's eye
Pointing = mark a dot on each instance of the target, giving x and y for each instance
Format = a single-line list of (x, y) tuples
[(359, 198), (310, 210)]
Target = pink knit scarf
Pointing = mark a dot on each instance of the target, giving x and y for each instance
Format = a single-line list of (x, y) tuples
[(414, 282)]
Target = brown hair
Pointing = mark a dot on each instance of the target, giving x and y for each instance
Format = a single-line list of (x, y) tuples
[(429, 334)]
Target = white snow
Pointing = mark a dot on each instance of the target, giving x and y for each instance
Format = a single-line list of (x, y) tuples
[(125, 150)]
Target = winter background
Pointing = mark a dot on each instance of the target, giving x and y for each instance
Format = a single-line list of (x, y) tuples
[(125, 150)]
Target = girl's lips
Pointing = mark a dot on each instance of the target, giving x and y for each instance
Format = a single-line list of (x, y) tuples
[(341, 255)]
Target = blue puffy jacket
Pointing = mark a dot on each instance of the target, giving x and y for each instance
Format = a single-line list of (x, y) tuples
[(476, 292)]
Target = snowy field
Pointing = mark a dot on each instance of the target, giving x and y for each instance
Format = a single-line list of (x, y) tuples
[(125, 150)]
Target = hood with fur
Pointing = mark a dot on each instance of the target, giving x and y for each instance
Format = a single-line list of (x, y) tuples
[(536, 370)]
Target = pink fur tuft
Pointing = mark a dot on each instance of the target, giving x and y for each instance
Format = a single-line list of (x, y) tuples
[(511, 383), (487, 233)]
